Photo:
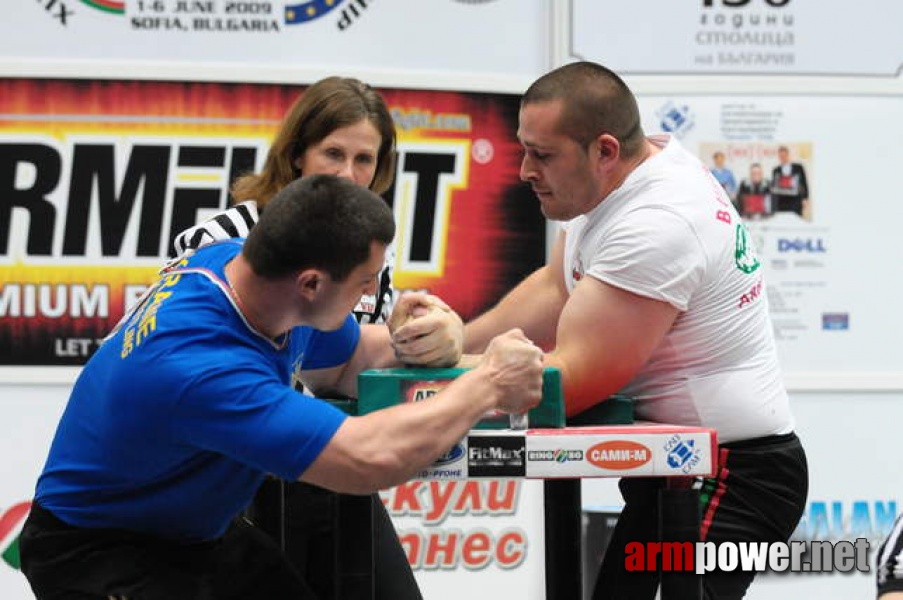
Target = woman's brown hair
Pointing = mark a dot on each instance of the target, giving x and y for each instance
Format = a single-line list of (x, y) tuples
[(325, 106)]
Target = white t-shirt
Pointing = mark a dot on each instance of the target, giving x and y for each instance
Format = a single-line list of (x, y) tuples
[(671, 233)]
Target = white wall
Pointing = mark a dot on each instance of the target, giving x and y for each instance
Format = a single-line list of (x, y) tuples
[(847, 417)]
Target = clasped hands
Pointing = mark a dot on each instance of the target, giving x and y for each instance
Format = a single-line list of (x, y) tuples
[(426, 332)]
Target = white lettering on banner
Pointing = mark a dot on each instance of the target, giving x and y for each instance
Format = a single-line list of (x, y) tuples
[(54, 301), (421, 119), (75, 347)]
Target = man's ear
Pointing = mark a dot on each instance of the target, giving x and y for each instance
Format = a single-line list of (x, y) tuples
[(608, 146), (309, 282)]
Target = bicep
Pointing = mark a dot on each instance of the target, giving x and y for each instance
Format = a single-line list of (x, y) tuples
[(533, 305), (605, 335), (372, 350)]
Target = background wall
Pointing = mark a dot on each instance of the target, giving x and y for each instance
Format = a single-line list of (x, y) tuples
[(821, 77)]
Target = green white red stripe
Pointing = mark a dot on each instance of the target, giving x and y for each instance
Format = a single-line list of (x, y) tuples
[(11, 523), (110, 6)]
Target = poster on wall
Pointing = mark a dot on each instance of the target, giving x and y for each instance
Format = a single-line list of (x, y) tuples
[(262, 34), (818, 195), (738, 37), (471, 536), (97, 177)]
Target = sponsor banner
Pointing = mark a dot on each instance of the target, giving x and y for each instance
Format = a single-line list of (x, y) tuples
[(822, 252), (464, 538), (254, 34), (496, 455), (451, 465), (619, 452), (97, 177), (740, 36)]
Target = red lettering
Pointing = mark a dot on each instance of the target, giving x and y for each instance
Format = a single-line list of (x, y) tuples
[(471, 497), (441, 544), (677, 556), (405, 499), (652, 550), (441, 494), (753, 293), (724, 216), (502, 495), (475, 550), (412, 543), (511, 549), (634, 557)]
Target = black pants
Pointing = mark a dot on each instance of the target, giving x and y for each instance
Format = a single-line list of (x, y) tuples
[(890, 554), (758, 495), (301, 516), (62, 562)]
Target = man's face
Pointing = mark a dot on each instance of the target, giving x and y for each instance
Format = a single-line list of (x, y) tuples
[(783, 155), (755, 174), (557, 167), (338, 298)]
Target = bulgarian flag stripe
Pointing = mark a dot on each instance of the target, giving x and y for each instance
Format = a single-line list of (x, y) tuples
[(108, 5), (10, 526)]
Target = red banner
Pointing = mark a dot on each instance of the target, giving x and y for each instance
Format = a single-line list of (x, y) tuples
[(97, 177)]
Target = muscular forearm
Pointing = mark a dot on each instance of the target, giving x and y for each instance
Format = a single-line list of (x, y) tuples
[(390, 446), (533, 306)]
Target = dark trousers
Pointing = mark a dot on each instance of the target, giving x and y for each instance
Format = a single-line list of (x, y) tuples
[(889, 556), (302, 517), (758, 495), (62, 562)]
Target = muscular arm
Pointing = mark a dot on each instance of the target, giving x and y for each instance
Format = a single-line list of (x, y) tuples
[(534, 306), (389, 446), (600, 335), (373, 351), (435, 339), (605, 335)]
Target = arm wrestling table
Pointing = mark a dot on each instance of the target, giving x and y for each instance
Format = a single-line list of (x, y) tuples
[(550, 450)]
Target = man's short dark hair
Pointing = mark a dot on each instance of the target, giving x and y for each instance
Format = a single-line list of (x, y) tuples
[(596, 100), (322, 222)]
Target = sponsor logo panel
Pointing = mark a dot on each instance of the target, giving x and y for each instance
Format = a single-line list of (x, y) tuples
[(619, 455), (450, 465), (496, 455)]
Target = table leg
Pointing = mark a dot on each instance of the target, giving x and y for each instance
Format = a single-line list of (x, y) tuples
[(564, 533)]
